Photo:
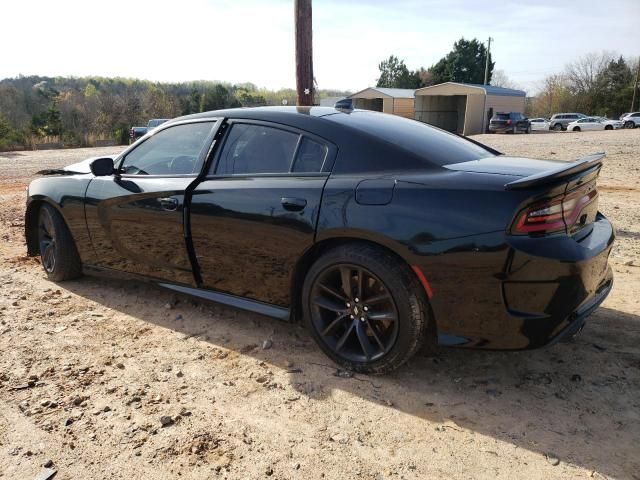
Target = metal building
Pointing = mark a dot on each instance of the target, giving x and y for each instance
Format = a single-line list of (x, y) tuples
[(398, 101), (465, 108)]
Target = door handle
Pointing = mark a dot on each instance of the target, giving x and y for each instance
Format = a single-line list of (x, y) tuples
[(170, 204), (293, 204)]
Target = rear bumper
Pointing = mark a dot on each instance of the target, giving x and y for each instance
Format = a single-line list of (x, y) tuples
[(577, 319), (529, 294)]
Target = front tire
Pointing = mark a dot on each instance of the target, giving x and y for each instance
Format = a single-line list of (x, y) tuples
[(629, 124), (58, 251), (576, 129), (365, 308), (557, 127), (608, 127)]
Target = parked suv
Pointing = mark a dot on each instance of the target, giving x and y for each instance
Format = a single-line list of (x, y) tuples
[(631, 120), (511, 122), (560, 120)]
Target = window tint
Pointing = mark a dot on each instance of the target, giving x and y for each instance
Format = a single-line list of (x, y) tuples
[(257, 149), (429, 144), (310, 156), (174, 151)]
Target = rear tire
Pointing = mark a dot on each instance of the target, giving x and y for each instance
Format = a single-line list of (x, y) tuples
[(629, 124), (58, 251), (608, 127), (365, 308), (557, 127)]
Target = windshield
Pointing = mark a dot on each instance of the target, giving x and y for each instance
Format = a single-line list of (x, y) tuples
[(501, 116)]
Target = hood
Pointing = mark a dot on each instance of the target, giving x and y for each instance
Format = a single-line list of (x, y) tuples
[(80, 168), (503, 165)]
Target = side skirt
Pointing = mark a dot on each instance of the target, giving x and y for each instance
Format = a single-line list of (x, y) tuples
[(247, 304), (237, 302)]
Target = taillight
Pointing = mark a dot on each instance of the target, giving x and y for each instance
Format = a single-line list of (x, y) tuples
[(509, 122), (556, 214)]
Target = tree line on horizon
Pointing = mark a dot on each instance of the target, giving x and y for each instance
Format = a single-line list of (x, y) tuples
[(465, 63), (596, 84), (79, 111)]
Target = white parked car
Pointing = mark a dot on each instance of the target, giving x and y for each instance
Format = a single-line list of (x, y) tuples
[(610, 122), (593, 123), (631, 120), (539, 124)]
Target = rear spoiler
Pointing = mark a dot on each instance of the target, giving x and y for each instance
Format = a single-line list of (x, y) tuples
[(590, 162)]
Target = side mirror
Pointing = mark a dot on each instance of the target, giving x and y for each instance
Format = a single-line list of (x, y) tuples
[(101, 167)]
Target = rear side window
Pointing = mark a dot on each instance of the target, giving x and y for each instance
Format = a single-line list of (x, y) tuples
[(429, 144), (257, 149), (310, 156)]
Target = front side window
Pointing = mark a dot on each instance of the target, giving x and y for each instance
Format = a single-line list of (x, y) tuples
[(174, 151), (251, 149)]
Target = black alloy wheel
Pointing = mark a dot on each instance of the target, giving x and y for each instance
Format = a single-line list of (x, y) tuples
[(366, 308), (47, 240), (58, 251), (354, 313)]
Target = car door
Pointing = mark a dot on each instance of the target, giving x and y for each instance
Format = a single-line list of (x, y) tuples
[(256, 212), (135, 217)]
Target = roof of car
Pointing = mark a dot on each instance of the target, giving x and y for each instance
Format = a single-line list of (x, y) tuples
[(266, 112)]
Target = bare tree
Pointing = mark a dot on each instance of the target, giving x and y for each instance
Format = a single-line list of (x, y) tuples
[(582, 74), (500, 79)]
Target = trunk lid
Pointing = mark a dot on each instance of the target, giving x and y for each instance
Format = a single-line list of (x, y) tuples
[(503, 165)]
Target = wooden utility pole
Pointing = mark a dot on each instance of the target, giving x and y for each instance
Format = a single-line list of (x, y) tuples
[(635, 87), (486, 64), (304, 52)]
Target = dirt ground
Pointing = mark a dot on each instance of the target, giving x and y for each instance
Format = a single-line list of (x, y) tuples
[(92, 370)]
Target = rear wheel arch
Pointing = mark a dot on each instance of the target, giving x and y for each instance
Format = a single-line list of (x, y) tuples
[(318, 249)]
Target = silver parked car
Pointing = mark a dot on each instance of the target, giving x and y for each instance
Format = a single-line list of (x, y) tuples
[(631, 120), (559, 121)]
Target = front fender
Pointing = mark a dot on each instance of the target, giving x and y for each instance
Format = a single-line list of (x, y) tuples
[(67, 195)]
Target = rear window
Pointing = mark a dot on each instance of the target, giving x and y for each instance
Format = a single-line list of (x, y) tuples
[(429, 143), (502, 116)]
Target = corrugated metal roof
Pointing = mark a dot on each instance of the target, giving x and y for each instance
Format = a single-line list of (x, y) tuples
[(390, 92), (491, 90), (488, 89)]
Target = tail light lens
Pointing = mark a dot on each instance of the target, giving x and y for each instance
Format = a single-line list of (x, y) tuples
[(556, 214), (509, 122)]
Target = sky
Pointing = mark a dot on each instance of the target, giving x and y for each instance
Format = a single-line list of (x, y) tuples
[(253, 41)]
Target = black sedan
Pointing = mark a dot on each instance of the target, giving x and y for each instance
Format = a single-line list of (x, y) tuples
[(381, 234)]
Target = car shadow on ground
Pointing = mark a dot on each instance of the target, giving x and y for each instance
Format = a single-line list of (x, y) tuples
[(578, 401)]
